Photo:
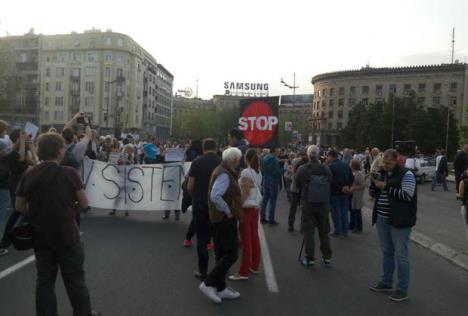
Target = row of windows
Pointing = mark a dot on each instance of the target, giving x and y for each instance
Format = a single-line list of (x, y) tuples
[(436, 100), (75, 72), (91, 43), (75, 86), (78, 57), (392, 88)]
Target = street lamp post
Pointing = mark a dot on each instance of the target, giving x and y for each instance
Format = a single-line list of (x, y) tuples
[(293, 87), (119, 80)]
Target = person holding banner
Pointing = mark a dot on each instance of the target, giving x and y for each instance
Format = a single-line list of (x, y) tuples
[(225, 210)]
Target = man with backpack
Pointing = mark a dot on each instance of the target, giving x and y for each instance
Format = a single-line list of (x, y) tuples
[(313, 180)]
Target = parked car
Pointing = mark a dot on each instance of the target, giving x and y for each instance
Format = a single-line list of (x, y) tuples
[(425, 169)]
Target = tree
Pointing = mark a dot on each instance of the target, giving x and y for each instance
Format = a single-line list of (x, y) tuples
[(300, 123), (372, 125)]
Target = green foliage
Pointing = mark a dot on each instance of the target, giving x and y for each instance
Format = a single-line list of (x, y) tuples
[(372, 126), (202, 124), (300, 123)]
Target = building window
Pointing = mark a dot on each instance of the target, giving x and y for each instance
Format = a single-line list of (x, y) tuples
[(324, 92), (378, 90), (75, 72), (365, 90), (406, 89), (46, 88), (120, 42), (89, 101), (352, 102), (422, 100), (63, 57), (392, 89), (330, 114), (108, 72), (46, 101), (120, 59), (340, 102), (377, 100), (453, 87), (59, 86), (330, 126), (59, 101), (332, 92), (331, 102), (89, 87), (436, 101), (437, 88), (422, 88), (108, 56), (339, 125), (453, 101), (90, 71), (341, 91), (365, 101), (46, 115), (92, 43), (352, 91), (76, 57), (108, 41), (119, 72), (60, 72), (47, 72), (92, 56)]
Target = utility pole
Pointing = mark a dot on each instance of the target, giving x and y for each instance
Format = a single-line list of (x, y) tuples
[(393, 120), (453, 43)]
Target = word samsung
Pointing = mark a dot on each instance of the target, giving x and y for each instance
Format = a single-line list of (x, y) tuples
[(246, 88), (138, 187)]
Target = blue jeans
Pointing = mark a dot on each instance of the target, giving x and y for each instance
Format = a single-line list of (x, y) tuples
[(339, 211), (270, 194), (394, 243), (439, 178)]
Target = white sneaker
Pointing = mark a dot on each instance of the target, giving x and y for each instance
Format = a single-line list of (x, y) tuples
[(210, 292), (238, 277), (229, 294)]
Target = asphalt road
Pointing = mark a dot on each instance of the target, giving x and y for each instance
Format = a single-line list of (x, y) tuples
[(439, 216), (137, 266)]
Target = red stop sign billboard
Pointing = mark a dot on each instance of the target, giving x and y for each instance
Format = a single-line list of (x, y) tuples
[(259, 121)]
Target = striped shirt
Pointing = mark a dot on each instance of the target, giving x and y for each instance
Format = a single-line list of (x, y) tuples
[(406, 193)]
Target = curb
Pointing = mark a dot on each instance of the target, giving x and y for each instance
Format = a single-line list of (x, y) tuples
[(457, 258)]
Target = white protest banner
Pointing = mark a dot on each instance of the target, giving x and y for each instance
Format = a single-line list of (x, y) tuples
[(113, 158), (31, 129), (155, 187), (174, 154)]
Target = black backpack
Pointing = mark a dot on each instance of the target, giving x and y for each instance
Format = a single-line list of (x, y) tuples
[(69, 159), (318, 189)]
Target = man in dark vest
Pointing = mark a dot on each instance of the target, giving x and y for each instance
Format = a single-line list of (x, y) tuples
[(394, 214), (225, 210)]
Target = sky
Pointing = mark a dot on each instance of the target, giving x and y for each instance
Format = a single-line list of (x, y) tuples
[(260, 41)]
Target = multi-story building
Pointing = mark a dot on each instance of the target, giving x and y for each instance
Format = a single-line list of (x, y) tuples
[(19, 79), (164, 82), (296, 107), (108, 76), (182, 105), (336, 93), (228, 101)]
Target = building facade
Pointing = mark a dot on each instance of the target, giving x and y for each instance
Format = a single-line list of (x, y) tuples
[(336, 93), (106, 75), (164, 82), (19, 78), (183, 105)]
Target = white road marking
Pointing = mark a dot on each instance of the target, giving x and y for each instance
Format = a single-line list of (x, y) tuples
[(17, 266), (270, 277)]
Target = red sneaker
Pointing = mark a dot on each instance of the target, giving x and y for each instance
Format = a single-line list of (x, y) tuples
[(210, 246), (187, 243)]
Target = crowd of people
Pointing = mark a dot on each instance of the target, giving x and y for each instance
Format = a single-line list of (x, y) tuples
[(231, 189)]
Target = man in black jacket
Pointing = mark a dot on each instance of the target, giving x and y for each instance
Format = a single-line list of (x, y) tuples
[(460, 163), (394, 214)]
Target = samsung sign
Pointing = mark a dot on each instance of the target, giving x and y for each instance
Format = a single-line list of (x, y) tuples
[(246, 88)]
